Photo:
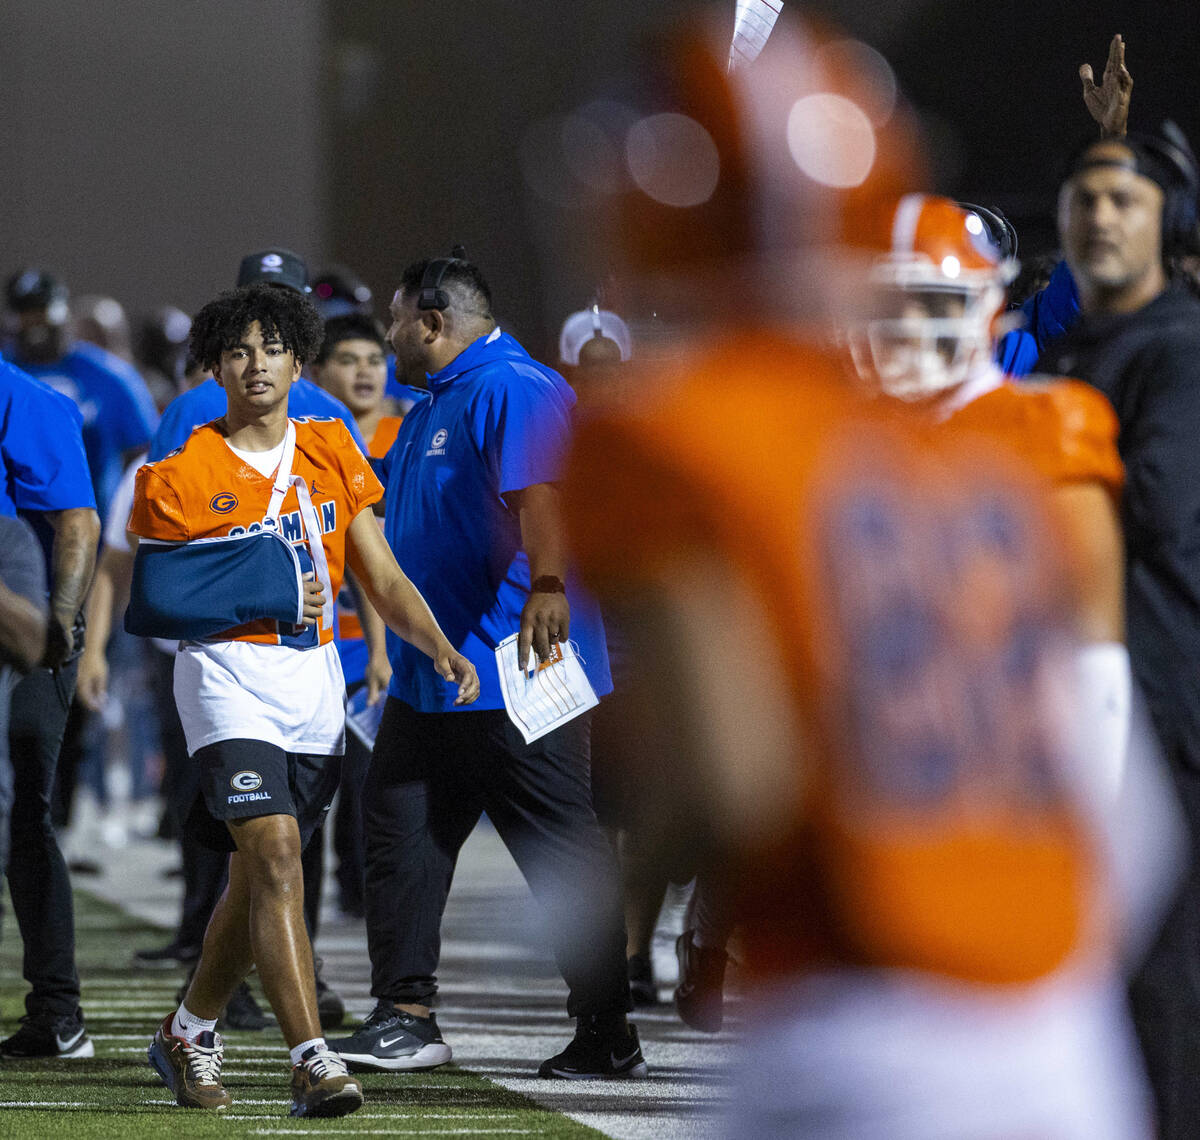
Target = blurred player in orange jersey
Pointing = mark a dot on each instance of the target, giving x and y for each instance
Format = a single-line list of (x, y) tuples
[(856, 642), (930, 343)]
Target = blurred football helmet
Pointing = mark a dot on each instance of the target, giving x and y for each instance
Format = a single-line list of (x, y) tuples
[(744, 191), (938, 290)]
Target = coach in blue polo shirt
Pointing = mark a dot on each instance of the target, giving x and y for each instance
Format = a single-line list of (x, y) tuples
[(472, 515), (46, 480)]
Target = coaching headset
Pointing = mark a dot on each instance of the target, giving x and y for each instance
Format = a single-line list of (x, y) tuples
[(432, 295)]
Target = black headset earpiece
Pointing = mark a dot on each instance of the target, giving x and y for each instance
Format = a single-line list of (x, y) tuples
[(431, 294), (1180, 207)]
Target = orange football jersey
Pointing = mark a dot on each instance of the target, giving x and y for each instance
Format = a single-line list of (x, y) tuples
[(1064, 429), (385, 435), (922, 620), (203, 490)]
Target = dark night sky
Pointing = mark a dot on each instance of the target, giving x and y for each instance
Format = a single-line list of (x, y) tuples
[(1002, 81), (436, 162)]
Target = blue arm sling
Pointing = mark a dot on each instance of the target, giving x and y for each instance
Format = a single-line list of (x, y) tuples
[(191, 590)]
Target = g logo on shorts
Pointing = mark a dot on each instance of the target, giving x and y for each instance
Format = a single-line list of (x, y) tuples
[(245, 781)]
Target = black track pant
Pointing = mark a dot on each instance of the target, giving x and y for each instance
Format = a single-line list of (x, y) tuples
[(37, 873), (431, 776)]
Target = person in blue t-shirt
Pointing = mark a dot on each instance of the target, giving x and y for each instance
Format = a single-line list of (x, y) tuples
[(472, 514), (117, 408), (46, 481)]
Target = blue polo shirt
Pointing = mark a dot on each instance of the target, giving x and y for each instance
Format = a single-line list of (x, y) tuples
[(496, 422), (118, 412), (206, 402), (41, 445)]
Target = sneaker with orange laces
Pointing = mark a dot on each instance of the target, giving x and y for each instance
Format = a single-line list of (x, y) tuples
[(323, 1086), (190, 1069)]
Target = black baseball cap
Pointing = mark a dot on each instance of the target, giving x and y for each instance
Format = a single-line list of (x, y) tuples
[(34, 289), (274, 267)]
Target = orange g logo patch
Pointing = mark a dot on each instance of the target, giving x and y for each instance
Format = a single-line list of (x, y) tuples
[(223, 502)]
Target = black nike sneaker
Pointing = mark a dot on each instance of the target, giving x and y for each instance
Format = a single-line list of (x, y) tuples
[(597, 1053), (49, 1035), (391, 1041)]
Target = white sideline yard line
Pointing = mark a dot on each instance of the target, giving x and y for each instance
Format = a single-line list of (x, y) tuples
[(467, 1115), (51, 1103), (400, 1131)]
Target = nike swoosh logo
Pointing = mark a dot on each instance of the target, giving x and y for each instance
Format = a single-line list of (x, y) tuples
[(623, 1061), (63, 1046), (383, 1044)]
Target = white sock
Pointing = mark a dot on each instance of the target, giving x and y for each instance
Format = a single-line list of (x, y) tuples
[(187, 1025), (305, 1046)]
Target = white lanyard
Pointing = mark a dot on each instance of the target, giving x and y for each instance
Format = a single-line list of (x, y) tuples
[(312, 523)]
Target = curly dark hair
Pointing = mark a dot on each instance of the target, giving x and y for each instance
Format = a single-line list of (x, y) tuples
[(352, 326), (280, 312)]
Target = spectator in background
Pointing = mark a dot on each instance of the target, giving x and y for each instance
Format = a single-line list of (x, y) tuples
[(46, 478), (118, 412), (1126, 208), (472, 509), (206, 402), (351, 366), (593, 345), (594, 350), (339, 292), (162, 353), (100, 320)]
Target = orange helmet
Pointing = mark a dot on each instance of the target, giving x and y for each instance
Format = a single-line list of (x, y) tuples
[(731, 181), (939, 287)]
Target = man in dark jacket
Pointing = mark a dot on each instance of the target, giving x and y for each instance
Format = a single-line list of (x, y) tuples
[(1127, 207)]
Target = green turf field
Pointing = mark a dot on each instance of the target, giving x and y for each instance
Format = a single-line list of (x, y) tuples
[(117, 1094)]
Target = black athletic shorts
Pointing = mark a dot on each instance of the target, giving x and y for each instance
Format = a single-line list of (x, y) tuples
[(243, 779)]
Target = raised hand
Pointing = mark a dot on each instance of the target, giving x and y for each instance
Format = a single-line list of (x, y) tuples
[(1108, 103)]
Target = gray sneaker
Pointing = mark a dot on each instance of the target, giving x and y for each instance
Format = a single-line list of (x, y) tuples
[(390, 1041)]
